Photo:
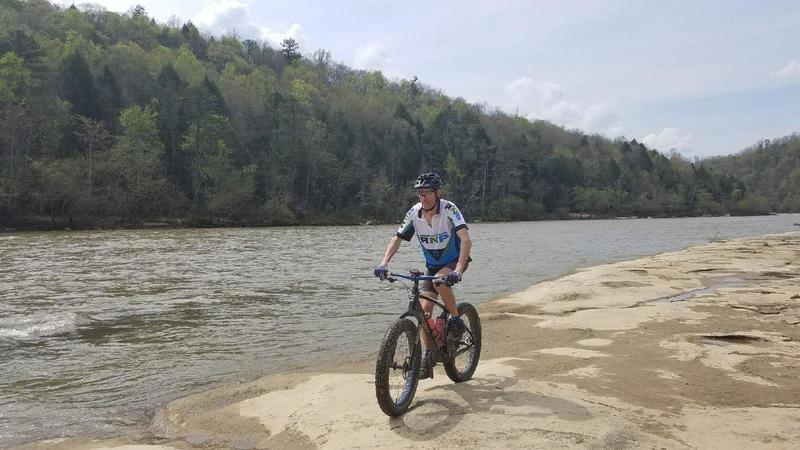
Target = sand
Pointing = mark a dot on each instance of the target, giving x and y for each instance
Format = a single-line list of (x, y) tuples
[(698, 348)]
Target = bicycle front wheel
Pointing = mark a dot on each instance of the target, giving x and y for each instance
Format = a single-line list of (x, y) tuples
[(397, 368), (463, 356)]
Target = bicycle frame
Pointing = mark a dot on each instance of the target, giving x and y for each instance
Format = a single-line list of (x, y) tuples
[(415, 307)]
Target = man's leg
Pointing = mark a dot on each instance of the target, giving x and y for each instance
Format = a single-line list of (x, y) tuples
[(427, 345), (456, 326), (427, 307), (447, 293)]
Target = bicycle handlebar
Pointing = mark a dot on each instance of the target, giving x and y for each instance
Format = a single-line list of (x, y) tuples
[(392, 276), (416, 277)]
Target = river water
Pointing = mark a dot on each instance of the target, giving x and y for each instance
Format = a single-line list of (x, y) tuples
[(98, 328)]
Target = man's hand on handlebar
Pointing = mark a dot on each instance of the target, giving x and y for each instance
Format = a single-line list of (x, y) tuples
[(382, 272), (452, 278)]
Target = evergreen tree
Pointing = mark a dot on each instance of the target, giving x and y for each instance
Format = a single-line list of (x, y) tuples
[(78, 86), (290, 50), (109, 97), (196, 42), (171, 119)]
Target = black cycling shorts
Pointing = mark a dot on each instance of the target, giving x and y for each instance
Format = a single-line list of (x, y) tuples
[(427, 285)]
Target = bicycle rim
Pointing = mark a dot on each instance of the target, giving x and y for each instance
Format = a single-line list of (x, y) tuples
[(397, 368)]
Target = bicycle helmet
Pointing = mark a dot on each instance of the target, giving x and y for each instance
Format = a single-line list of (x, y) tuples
[(429, 181)]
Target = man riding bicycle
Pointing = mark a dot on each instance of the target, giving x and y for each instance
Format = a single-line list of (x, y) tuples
[(442, 233)]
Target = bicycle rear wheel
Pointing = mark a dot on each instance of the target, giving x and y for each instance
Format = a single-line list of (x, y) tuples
[(397, 368), (463, 356)]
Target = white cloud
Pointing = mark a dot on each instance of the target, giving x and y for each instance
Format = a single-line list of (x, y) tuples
[(550, 101), (371, 56), (668, 139), (275, 38), (223, 16), (226, 16), (374, 56), (792, 69)]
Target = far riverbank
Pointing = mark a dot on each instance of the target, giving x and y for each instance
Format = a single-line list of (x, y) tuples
[(49, 224)]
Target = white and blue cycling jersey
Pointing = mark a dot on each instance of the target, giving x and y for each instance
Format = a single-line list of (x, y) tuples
[(439, 241)]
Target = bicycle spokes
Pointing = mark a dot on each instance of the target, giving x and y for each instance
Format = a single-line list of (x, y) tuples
[(397, 369)]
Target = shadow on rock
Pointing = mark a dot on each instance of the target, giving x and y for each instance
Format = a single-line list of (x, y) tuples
[(430, 418)]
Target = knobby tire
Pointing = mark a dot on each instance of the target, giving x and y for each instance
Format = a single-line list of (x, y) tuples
[(401, 365), (462, 367)]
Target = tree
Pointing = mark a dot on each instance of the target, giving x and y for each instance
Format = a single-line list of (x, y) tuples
[(198, 45), (290, 50), (24, 46), (109, 97), (136, 174), (380, 191), (593, 201), (138, 11), (78, 86), (251, 50), (15, 131), (171, 118), (217, 186), (188, 67), (57, 187), (93, 137)]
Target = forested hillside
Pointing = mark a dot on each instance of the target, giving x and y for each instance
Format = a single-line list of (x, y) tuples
[(771, 169), (109, 119)]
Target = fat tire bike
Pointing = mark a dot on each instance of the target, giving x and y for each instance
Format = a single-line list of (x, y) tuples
[(399, 362)]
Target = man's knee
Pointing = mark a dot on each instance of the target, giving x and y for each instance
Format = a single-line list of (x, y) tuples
[(440, 288), (429, 294)]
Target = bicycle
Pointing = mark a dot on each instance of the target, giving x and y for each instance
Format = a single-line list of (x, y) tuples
[(399, 360)]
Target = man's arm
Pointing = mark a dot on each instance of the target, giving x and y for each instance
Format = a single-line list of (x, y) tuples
[(394, 245), (463, 249)]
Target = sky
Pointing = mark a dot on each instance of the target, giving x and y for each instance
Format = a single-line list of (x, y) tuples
[(701, 77)]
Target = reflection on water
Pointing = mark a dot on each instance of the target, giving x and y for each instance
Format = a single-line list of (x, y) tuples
[(97, 328)]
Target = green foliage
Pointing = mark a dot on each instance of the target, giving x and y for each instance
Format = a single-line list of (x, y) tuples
[(219, 189), (594, 201), (515, 208), (15, 130), (108, 117), (769, 172), (23, 45), (109, 96), (138, 189), (15, 80), (188, 66), (197, 44), (226, 51), (275, 211), (58, 187)]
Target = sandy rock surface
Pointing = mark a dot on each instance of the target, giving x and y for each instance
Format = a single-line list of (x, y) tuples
[(692, 349)]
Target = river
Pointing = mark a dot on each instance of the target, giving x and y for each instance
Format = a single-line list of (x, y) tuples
[(99, 328)]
